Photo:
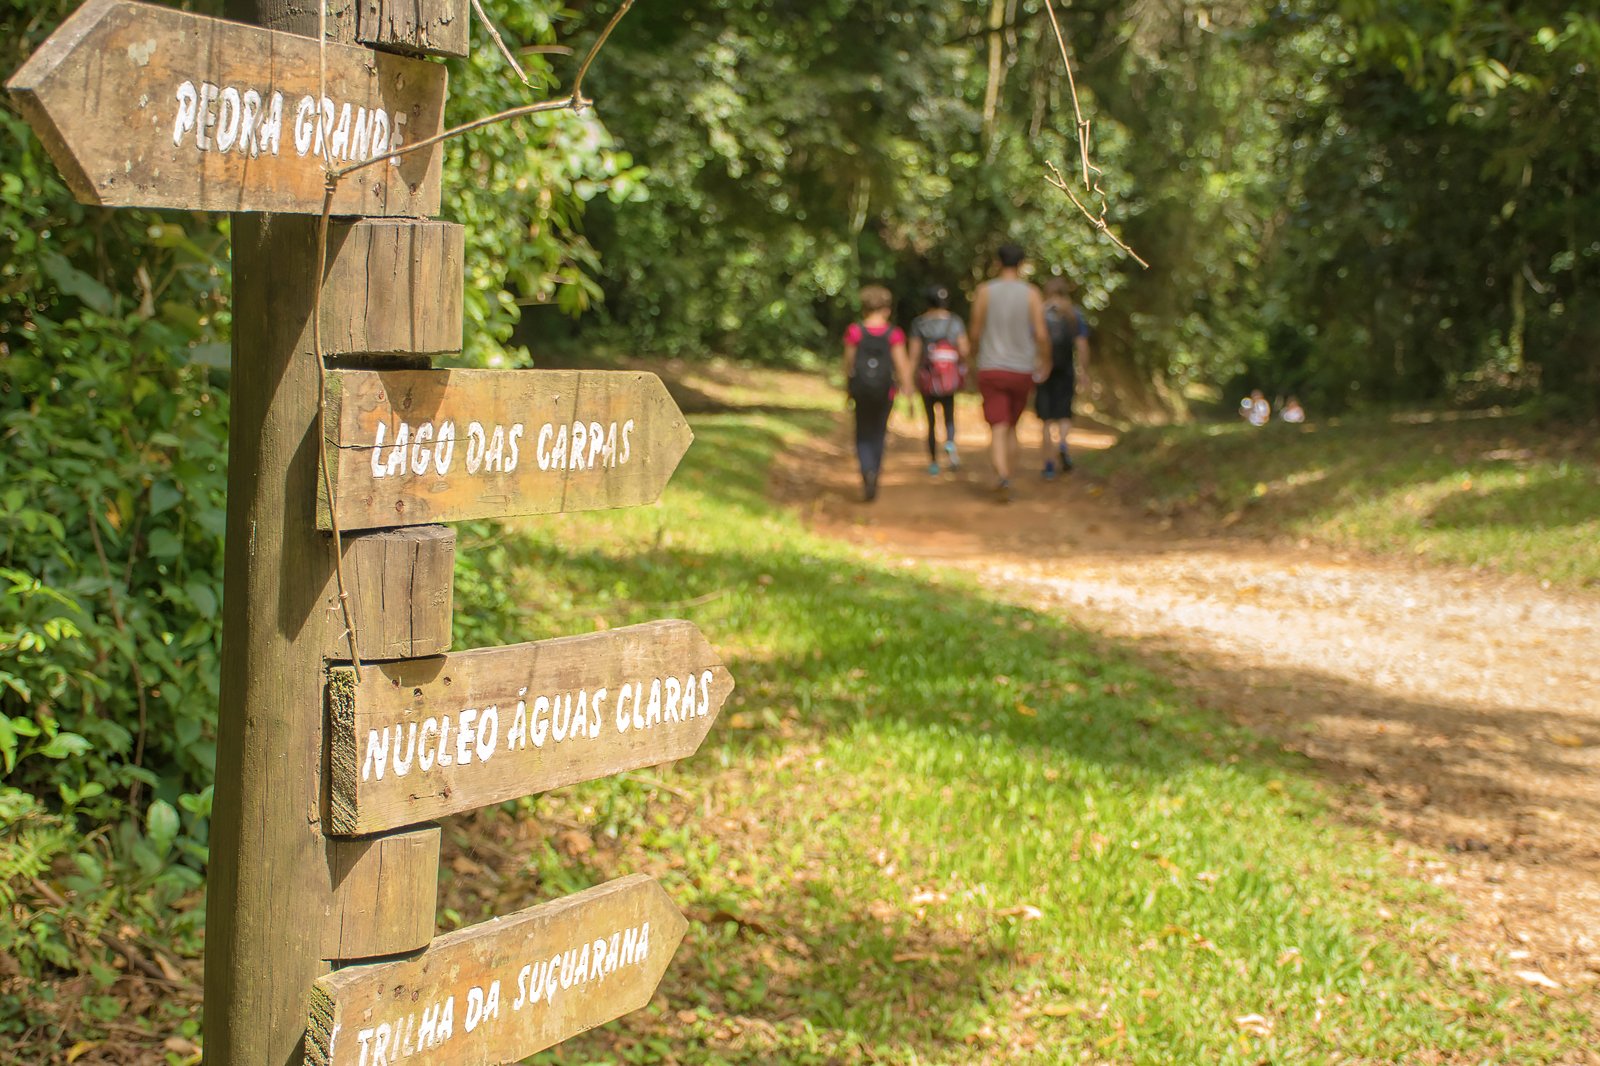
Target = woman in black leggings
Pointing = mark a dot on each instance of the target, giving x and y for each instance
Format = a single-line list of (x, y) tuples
[(875, 362), (940, 349)]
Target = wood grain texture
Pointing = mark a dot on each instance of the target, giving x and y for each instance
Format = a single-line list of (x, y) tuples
[(500, 991), (385, 890), (393, 286), (402, 587), (415, 27), (269, 885), (420, 739), (145, 106), (408, 447)]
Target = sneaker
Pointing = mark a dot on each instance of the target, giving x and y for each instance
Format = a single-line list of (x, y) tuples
[(950, 450), (1049, 471), (870, 491), (1066, 462), (933, 469), (1002, 491)]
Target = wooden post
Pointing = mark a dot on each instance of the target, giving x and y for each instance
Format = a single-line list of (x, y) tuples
[(270, 885)]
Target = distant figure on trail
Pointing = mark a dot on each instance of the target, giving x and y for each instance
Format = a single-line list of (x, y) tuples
[(1255, 409), (875, 361), (1013, 345), (940, 349), (1292, 412), (1069, 357)]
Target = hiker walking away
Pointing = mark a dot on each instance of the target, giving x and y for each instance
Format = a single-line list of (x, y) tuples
[(940, 350), (1069, 359), (1013, 345), (875, 361)]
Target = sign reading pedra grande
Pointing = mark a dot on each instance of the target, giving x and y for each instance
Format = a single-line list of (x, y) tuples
[(143, 106)]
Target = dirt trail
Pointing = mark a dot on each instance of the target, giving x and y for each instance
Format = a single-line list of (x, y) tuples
[(1459, 712)]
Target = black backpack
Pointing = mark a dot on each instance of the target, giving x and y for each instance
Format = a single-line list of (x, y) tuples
[(873, 376)]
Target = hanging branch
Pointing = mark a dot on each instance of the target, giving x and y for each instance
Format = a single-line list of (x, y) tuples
[(575, 101), (499, 42), (1089, 172)]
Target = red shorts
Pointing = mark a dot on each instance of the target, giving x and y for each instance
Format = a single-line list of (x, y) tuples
[(1005, 395)]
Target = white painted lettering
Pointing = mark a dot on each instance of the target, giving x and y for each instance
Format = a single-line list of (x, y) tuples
[(304, 125), (228, 118), (270, 136), (652, 713), (377, 754), (250, 114), (488, 732), (183, 119), (511, 441), (465, 736), (444, 742), (445, 450), (425, 753), (517, 735), (206, 118), (397, 452), (421, 455), (340, 142), (541, 706)]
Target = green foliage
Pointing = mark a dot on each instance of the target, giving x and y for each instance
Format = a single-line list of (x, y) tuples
[(1356, 200), (1501, 491)]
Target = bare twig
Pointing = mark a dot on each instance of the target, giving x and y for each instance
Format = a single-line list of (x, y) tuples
[(594, 49), (322, 430), (1090, 173), (574, 101), (499, 41), (1099, 221)]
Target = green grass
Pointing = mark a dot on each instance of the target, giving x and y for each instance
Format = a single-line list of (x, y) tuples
[(1502, 492), (933, 828)]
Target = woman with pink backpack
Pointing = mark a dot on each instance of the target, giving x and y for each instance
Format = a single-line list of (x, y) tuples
[(940, 350)]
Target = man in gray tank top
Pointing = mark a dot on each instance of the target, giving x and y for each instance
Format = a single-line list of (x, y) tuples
[(1013, 343)]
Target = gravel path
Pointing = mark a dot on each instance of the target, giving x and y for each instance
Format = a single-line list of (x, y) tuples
[(1459, 712)]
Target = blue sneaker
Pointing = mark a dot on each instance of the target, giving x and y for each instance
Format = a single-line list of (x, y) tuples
[(933, 469), (1050, 471), (950, 450)]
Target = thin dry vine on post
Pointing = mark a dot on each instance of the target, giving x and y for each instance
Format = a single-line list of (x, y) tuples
[(574, 101), (1090, 172)]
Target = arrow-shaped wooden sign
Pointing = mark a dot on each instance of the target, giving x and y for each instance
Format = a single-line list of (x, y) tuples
[(145, 106), (423, 738), (500, 991), (407, 447)]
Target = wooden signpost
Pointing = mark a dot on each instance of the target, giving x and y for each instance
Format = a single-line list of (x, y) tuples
[(423, 738), (320, 893), (409, 446)]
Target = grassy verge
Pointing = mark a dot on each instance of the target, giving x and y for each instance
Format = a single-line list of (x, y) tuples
[(931, 828), (1502, 492)]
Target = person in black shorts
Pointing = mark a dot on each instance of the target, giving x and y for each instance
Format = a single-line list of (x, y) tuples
[(1069, 351)]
